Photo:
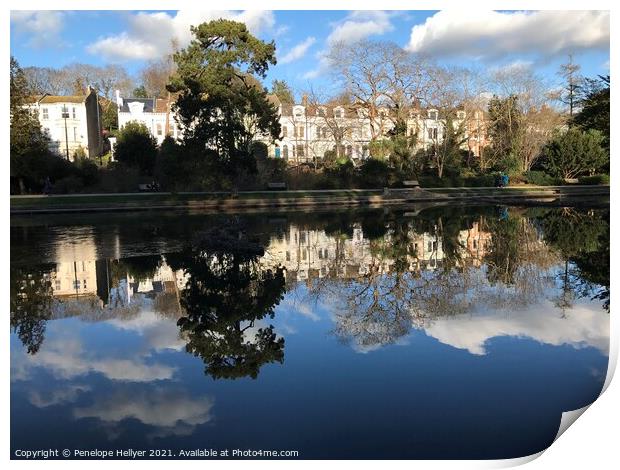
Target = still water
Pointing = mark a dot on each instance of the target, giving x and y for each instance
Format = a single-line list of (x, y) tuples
[(445, 332)]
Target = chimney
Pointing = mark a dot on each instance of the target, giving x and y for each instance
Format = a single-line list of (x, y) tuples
[(119, 100), (304, 100)]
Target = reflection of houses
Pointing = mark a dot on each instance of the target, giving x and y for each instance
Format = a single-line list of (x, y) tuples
[(310, 254), (475, 243)]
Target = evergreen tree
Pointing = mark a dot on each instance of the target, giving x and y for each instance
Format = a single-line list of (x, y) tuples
[(221, 103)]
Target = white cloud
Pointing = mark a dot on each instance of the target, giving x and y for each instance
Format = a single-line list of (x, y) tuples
[(491, 34), (514, 66), (43, 26), (359, 25), (150, 35), (298, 51)]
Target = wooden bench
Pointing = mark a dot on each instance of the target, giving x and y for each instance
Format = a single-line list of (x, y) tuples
[(276, 186), (411, 184), (148, 187)]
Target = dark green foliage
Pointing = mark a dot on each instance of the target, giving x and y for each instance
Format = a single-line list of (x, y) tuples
[(594, 179), (540, 178), (595, 111), (574, 153), (140, 92), (506, 130), (283, 91), (221, 104), (135, 147), (374, 174)]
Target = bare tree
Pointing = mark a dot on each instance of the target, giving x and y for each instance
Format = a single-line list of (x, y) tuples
[(573, 80)]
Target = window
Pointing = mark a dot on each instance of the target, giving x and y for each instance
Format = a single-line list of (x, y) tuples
[(73, 112), (300, 150), (284, 131), (288, 256), (339, 113), (57, 284), (45, 113), (159, 130), (433, 115), (285, 151), (75, 134), (76, 284), (320, 112), (299, 132), (460, 114), (432, 133)]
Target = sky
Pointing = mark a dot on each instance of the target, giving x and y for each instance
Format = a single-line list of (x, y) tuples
[(485, 40)]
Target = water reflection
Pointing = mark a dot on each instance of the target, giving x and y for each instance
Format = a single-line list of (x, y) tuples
[(382, 275), (106, 337)]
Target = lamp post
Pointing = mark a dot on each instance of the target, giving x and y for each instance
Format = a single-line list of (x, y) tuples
[(65, 116)]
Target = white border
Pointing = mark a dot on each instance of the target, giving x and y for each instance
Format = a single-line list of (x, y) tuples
[(592, 443)]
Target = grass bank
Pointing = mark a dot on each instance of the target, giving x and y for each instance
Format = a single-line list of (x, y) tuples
[(302, 198)]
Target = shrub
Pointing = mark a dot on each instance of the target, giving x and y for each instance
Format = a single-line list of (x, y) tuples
[(68, 184), (480, 181), (594, 179), (374, 174), (540, 178), (135, 147), (574, 153)]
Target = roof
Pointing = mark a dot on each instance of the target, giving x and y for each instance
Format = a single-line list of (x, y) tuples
[(51, 99), (149, 104)]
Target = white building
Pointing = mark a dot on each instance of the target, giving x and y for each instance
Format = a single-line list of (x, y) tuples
[(307, 131), (72, 123), (154, 113)]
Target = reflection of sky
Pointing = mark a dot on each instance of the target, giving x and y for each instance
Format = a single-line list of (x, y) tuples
[(469, 385)]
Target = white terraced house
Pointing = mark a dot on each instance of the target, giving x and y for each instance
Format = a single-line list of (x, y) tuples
[(309, 131), (72, 123)]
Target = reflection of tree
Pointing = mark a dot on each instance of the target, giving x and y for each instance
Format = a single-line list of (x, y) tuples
[(31, 300), (227, 292), (582, 238), (396, 293)]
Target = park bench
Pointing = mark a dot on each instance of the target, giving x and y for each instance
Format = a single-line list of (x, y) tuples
[(276, 186), (148, 187), (411, 184)]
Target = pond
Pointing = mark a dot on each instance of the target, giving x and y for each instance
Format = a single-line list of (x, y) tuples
[(425, 332)]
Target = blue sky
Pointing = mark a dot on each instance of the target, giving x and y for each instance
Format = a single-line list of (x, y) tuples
[(482, 39)]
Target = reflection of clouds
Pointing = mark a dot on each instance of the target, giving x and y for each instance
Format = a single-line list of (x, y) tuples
[(169, 411), (585, 325), (43, 399), (66, 358), (160, 332), (303, 308)]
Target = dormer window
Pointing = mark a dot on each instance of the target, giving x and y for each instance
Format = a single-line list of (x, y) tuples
[(298, 111), (460, 114), (135, 107), (433, 114), (338, 112), (321, 112)]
